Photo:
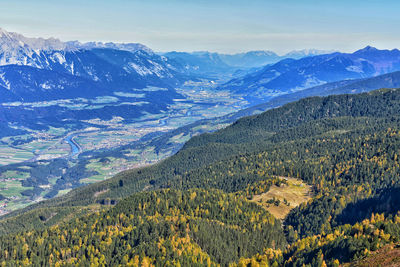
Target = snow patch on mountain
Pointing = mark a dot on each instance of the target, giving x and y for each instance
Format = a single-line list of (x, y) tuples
[(354, 68), (46, 86), (58, 57), (141, 70), (4, 82), (310, 81)]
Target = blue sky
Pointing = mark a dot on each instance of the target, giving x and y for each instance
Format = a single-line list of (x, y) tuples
[(219, 25)]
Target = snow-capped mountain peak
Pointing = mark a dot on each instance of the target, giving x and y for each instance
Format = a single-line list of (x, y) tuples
[(131, 47), (3, 32), (16, 49), (12, 40)]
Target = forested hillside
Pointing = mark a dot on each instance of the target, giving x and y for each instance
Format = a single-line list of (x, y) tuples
[(346, 147), (168, 227)]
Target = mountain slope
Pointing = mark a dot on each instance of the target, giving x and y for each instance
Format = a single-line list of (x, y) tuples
[(390, 80), (23, 83), (113, 68), (292, 75)]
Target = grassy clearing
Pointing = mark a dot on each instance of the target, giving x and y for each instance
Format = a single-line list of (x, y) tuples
[(295, 193), (105, 169), (180, 138), (53, 180), (63, 192)]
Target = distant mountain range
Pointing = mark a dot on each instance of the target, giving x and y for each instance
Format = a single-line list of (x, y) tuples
[(203, 63), (290, 75), (34, 69), (102, 68), (250, 59), (297, 54), (253, 59), (210, 63)]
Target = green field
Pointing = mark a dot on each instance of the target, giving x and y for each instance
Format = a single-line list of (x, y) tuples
[(63, 192), (106, 169), (9, 155), (180, 138), (14, 175), (12, 188)]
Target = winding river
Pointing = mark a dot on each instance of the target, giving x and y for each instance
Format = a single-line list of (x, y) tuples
[(75, 148)]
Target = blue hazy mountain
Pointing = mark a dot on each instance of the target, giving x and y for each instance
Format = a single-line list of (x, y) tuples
[(389, 80), (251, 59), (297, 54), (255, 59), (207, 62), (203, 63), (290, 75)]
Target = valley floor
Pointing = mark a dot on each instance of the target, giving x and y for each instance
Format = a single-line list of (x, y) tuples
[(19, 155)]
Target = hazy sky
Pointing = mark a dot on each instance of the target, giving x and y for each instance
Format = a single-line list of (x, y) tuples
[(214, 25)]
